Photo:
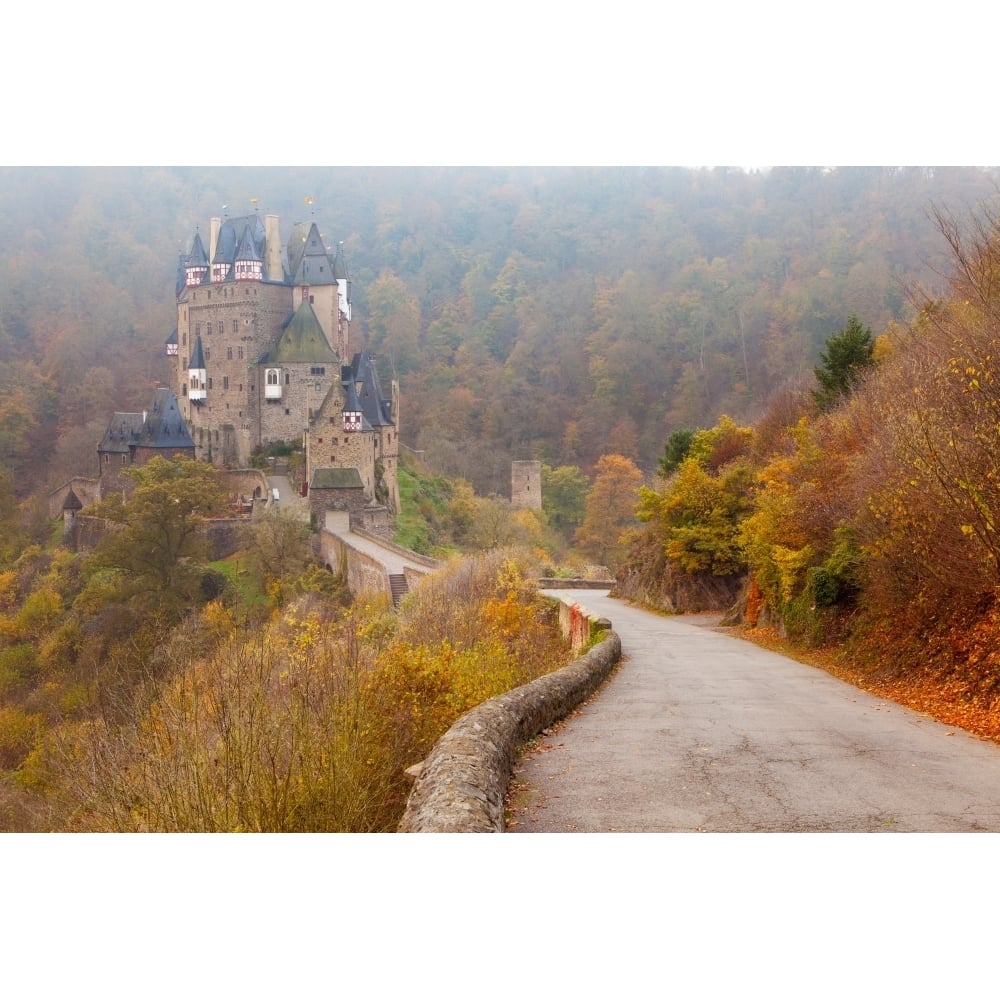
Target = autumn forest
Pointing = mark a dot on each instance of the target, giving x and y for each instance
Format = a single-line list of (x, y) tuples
[(772, 393)]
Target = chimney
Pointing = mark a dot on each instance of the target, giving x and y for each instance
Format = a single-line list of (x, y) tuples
[(213, 238)]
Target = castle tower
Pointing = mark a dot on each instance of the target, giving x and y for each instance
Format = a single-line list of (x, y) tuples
[(263, 333), (526, 485), (71, 507)]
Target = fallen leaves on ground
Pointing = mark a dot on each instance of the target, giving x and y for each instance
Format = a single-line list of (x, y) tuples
[(959, 697)]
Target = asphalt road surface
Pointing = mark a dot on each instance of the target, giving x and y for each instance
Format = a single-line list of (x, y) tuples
[(699, 730)]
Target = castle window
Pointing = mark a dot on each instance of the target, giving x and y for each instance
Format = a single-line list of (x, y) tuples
[(210, 381), (239, 350), (236, 327), (225, 383), (208, 354), (197, 329), (229, 354), (317, 371), (288, 379), (272, 376), (208, 328), (124, 459), (184, 339), (288, 412)]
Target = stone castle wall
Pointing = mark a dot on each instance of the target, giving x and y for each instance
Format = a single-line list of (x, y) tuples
[(88, 491)]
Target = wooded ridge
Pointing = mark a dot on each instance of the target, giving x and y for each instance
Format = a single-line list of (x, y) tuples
[(773, 391)]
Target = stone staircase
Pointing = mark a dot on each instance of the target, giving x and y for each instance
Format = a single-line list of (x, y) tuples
[(398, 588)]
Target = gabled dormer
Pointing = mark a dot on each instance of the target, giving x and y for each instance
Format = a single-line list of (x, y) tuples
[(196, 268), (197, 376)]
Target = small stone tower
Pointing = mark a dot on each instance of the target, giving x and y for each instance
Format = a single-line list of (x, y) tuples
[(526, 485)]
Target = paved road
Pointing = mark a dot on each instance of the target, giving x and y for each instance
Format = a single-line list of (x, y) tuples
[(701, 731), (290, 499)]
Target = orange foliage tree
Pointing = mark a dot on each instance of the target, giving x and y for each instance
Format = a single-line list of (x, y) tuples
[(610, 508)]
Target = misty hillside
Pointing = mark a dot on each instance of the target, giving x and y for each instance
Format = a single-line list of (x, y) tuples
[(551, 313)]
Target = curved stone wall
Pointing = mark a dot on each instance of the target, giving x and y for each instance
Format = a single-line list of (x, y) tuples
[(463, 782)]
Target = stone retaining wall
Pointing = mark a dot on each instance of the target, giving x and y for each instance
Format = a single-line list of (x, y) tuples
[(463, 783), (573, 583)]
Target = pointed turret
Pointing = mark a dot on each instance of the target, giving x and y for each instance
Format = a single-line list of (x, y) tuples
[(308, 258), (248, 263), (71, 506), (225, 251), (353, 417), (197, 378), (171, 345), (196, 266)]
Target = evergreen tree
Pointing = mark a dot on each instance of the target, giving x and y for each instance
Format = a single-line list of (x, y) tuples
[(849, 353), (676, 450)]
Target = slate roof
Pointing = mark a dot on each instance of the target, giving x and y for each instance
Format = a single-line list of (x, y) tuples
[(72, 501), (230, 233), (302, 341), (247, 250), (376, 408), (336, 479), (309, 262), (164, 426), (122, 433), (351, 402), (197, 257), (340, 264), (198, 357)]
